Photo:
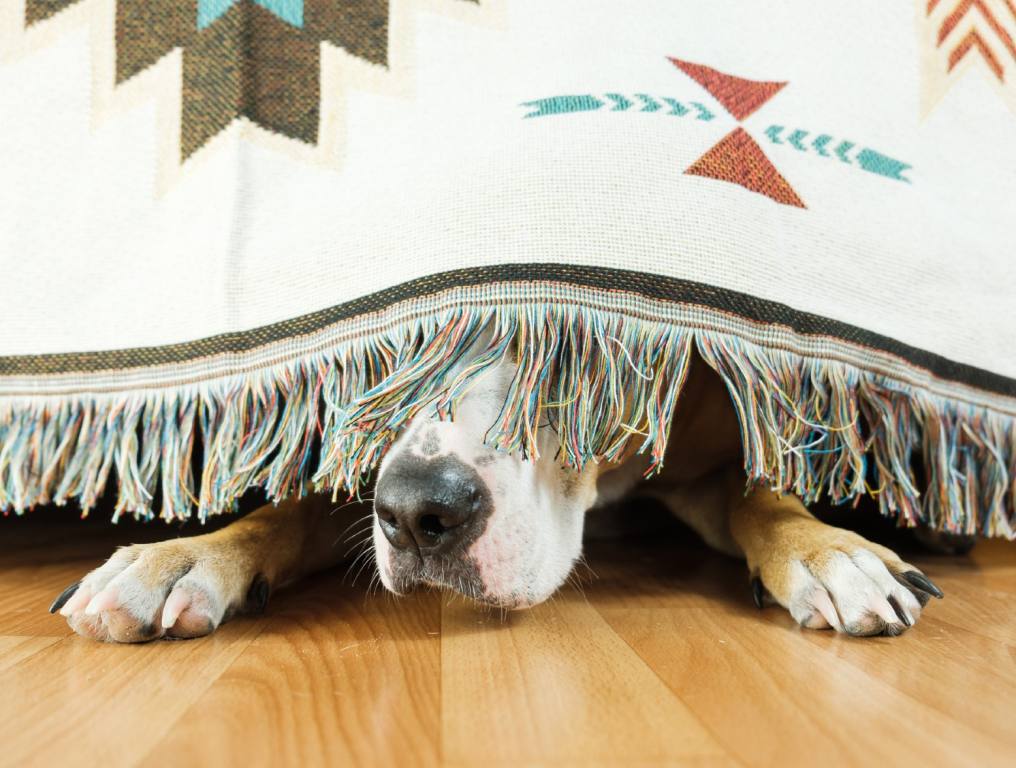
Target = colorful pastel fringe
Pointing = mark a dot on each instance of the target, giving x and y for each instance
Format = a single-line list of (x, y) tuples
[(606, 381)]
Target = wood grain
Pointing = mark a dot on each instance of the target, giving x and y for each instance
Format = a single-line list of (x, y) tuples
[(548, 685), (334, 679), (660, 659)]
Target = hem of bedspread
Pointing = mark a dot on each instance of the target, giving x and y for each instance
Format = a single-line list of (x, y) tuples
[(820, 416)]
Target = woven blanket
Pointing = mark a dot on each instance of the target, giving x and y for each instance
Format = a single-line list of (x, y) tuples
[(244, 241)]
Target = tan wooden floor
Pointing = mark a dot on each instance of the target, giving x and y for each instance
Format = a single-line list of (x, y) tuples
[(663, 659)]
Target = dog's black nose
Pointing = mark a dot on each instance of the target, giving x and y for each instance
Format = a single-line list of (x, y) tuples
[(426, 505)]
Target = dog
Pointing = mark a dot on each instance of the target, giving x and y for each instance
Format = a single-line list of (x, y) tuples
[(451, 512)]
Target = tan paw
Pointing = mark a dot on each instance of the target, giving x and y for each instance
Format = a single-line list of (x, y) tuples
[(178, 589), (838, 579)]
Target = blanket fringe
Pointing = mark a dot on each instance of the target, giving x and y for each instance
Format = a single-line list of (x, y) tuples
[(607, 382)]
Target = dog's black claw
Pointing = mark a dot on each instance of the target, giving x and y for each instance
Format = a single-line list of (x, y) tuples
[(899, 611), (257, 595), (893, 630), (64, 596), (758, 592), (922, 582)]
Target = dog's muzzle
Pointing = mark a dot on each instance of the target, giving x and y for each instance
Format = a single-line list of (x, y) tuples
[(431, 511)]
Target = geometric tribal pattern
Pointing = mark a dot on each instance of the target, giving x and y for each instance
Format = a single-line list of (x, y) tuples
[(961, 33), (253, 59), (737, 157)]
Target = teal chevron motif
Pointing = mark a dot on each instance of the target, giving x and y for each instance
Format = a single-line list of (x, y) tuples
[(586, 102), (621, 103), (703, 113), (866, 159), (796, 138), (820, 144), (651, 105), (676, 107), (290, 11)]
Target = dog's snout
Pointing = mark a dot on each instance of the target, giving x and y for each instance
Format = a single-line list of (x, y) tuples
[(427, 506)]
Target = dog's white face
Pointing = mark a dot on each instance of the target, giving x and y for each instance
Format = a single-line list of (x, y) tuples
[(454, 513)]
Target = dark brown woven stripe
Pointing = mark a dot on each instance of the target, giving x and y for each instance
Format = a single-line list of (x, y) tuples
[(648, 285)]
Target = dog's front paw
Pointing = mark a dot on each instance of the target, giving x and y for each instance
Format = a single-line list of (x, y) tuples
[(833, 578), (180, 589)]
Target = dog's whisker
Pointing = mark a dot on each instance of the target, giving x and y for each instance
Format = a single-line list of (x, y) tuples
[(364, 540), (576, 583), (369, 560), (373, 583), (357, 545), (352, 502), (359, 569), (363, 558), (358, 521)]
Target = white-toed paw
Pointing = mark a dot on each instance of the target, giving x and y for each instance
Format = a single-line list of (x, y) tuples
[(854, 587), (177, 589)]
